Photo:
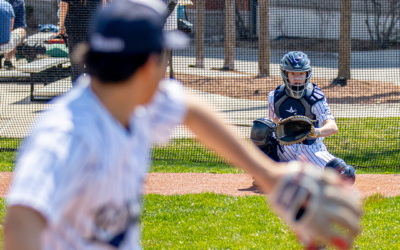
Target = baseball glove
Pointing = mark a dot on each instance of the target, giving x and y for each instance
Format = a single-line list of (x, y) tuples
[(317, 205), (295, 129)]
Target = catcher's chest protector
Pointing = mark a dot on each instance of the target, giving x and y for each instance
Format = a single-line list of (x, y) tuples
[(286, 106)]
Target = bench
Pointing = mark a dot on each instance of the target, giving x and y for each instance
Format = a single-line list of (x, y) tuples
[(52, 89), (45, 70)]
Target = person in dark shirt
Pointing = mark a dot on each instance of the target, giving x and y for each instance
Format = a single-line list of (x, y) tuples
[(20, 13), (75, 18)]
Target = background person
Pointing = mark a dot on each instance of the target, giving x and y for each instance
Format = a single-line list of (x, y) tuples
[(10, 38), (75, 18), (20, 13)]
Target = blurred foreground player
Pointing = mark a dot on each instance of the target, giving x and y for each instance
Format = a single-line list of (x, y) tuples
[(79, 176)]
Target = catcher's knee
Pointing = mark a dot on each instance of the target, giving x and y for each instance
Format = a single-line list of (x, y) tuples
[(347, 172), (262, 136), (262, 131)]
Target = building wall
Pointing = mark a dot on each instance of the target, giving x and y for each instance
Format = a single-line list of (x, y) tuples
[(293, 22)]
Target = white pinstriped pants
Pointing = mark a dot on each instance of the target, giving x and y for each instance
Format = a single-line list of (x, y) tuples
[(316, 153)]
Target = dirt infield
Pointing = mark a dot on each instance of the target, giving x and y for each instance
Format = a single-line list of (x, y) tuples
[(234, 184)]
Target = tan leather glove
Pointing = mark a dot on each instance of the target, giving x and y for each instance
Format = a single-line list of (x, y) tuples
[(315, 203)]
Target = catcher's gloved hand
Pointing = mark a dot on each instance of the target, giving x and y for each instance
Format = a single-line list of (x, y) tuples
[(295, 129), (314, 202)]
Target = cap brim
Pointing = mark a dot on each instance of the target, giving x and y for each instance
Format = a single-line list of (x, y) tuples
[(176, 40)]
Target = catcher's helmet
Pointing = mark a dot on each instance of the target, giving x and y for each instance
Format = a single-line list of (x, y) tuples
[(347, 172), (295, 61)]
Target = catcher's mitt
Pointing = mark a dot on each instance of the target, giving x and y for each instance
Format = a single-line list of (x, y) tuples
[(317, 205), (295, 129)]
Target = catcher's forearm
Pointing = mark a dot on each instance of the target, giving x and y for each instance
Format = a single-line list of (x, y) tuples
[(328, 128), (218, 136)]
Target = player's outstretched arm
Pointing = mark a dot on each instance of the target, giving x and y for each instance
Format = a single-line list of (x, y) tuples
[(214, 133), (22, 229)]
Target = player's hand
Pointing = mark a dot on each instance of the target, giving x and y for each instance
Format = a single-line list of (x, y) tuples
[(315, 133), (317, 205)]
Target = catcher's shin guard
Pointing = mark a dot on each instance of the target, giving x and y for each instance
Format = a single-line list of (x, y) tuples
[(347, 172), (262, 136)]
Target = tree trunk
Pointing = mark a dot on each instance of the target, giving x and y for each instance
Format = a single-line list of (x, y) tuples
[(199, 40), (345, 40), (264, 50), (230, 35)]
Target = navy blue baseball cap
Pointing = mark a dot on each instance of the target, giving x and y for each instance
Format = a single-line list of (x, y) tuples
[(133, 27)]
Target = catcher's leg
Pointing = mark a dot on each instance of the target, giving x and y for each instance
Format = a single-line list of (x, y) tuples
[(317, 154), (346, 171)]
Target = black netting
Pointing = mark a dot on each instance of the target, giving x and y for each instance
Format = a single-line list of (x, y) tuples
[(232, 63)]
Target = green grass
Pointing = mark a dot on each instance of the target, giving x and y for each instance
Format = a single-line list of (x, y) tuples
[(367, 142), (9, 143), (363, 142), (179, 166), (210, 221), (370, 144), (173, 166), (7, 160)]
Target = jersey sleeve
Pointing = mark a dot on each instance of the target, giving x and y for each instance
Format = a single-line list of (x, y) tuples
[(11, 10), (168, 110), (42, 167), (322, 111), (271, 110)]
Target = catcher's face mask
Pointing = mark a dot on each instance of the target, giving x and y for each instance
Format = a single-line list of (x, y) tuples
[(296, 82)]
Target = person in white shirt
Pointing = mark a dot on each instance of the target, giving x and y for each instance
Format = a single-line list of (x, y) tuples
[(80, 174)]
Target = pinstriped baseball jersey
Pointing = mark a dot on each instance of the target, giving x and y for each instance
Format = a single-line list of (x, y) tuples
[(84, 172), (316, 153)]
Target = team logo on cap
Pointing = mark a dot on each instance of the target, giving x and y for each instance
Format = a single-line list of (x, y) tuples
[(100, 43)]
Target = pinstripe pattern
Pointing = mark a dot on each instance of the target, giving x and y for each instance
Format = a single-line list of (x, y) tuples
[(317, 153), (80, 167)]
